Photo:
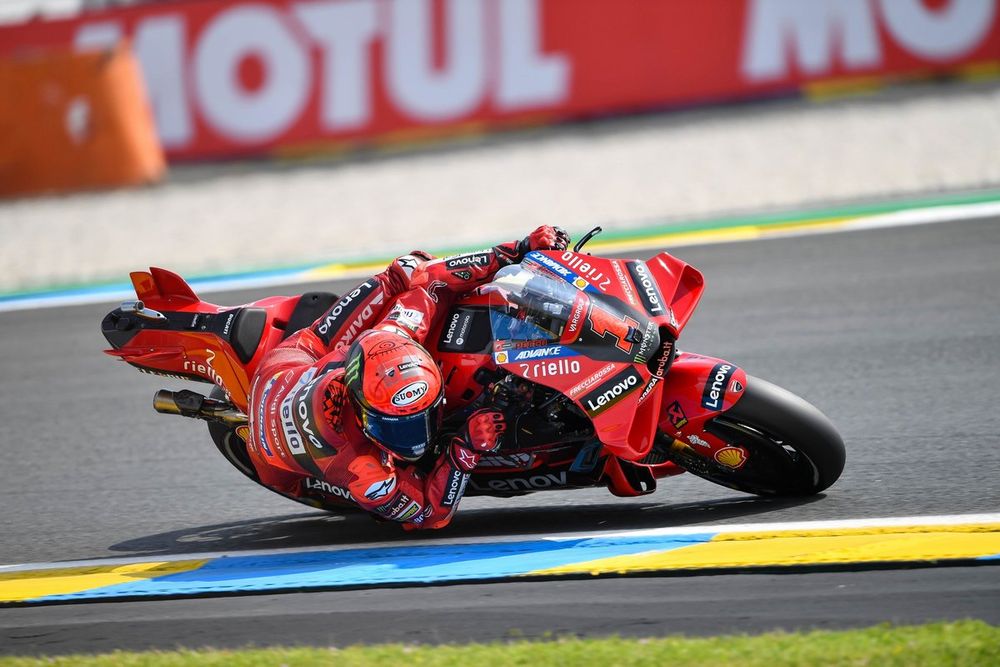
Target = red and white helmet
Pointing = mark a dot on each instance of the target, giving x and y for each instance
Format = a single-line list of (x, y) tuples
[(397, 389)]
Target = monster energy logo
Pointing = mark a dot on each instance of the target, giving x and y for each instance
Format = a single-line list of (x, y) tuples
[(353, 371)]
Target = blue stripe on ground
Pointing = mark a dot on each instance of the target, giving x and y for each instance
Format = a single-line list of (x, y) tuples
[(124, 290), (384, 566)]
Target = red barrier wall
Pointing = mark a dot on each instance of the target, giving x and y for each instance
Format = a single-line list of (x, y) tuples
[(232, 77)]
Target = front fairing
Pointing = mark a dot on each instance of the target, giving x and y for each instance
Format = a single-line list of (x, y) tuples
[(591, 346)]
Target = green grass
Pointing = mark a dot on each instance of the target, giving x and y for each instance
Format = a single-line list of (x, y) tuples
[(959, 643)]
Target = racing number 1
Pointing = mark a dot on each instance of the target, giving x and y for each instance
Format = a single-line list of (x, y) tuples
[(603, 323)]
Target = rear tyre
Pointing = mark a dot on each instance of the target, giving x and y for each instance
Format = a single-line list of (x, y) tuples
[(229, 444), (792, 448)]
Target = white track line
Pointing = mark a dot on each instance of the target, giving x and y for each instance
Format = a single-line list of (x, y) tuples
[(882, 522)]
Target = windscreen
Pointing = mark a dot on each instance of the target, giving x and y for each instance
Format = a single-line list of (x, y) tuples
[(528, 305)]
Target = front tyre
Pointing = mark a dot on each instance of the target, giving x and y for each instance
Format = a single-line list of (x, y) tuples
[(792, 448)]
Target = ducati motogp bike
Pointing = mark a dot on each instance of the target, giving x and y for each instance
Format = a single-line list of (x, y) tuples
[(578, 351)]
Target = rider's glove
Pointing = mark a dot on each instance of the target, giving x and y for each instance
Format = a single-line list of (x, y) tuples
[(545, 237), (482, 434)]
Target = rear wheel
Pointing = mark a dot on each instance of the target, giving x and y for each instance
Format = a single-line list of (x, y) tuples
[(792, 449), (229, 444)]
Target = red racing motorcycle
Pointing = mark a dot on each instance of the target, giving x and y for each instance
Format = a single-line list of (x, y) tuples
[(578, 351)]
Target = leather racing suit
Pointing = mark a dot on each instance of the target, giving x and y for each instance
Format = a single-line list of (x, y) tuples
[(309, 446)]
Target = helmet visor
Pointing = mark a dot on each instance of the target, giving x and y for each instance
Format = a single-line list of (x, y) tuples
[(408, 436)]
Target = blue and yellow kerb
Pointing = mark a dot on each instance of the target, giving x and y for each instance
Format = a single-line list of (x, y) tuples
[(859, 544)]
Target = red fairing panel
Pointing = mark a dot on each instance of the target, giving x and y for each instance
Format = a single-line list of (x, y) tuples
[(696, 389), (192, 353), (599, 362), (681, 285)]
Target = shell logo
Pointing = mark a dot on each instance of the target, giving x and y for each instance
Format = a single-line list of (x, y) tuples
[(501, 357), (731, 457), (580, 283), (243, 432)]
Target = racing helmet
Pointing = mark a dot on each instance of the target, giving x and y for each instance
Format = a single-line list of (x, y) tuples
[(397, 392)]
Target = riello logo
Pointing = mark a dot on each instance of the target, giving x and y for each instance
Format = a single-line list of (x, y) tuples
[(206, 370), (253, 71)]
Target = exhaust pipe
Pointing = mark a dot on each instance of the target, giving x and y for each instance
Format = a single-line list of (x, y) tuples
[(192, 404)]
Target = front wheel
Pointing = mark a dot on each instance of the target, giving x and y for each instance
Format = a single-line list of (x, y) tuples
[(792, 449)]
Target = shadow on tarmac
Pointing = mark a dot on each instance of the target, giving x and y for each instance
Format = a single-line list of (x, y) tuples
[(357, 528)]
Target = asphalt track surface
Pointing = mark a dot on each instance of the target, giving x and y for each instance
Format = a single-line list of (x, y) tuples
[(894, 333)]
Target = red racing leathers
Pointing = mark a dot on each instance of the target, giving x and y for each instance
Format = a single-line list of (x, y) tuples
[(305, 441)]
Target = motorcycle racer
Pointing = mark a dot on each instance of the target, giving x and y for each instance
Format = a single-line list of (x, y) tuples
[(340, 410)]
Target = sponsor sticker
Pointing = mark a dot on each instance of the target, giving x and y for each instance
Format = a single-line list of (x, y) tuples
[(341, 312), (649, 293), (454, 487), (381, 488), (576, 318), (530, 483), (467, 460), (648, 389), (528, 350), (625, 283), (549, 352), (666, 355), (395, 506), (324, 487), (501, 345), (293, 438), (261, 403), (408, 263), (543, 260), (714, 394), (470, 260), (410, 318), (543, 369), (559, 270), (409, 394), (512, 460), (649, 340), (303, 414), (589, 273), (455, 333), (205, 370), (613, 390), (409, 511), (695, 440), (591, 381), (731, 457), (676, 416)]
